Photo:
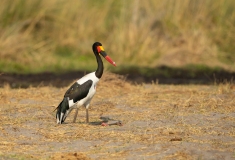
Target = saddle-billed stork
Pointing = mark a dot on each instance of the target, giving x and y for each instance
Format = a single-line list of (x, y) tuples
[(83, 90)]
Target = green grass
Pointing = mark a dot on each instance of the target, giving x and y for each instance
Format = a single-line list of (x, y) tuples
[(40, 35)]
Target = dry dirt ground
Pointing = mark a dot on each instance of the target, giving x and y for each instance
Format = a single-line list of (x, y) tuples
[(159, 122)]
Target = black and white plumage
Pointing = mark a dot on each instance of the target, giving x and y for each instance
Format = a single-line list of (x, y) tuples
[(83, 90)]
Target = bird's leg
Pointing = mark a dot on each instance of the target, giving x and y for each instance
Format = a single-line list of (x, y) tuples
[(75, 116), (87, 116)]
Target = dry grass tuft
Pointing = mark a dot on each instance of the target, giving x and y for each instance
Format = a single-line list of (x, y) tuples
[(160, 122), (54, 35)]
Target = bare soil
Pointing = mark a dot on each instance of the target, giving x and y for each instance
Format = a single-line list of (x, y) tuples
[(159, 122), (136, 75)]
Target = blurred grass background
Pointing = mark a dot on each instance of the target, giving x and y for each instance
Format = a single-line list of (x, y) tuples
[(56, 35)]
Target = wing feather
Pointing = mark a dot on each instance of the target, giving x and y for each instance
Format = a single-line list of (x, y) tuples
[(77, 92)]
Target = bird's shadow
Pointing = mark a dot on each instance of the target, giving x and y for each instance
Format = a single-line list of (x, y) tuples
[(95, 123)]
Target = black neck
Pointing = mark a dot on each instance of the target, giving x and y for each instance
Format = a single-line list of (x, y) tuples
[(100, 68)]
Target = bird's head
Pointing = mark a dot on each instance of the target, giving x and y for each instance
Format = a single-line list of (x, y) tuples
[(98, 49)]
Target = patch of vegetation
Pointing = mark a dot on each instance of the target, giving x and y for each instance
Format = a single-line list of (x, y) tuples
[(64, 51), (40, 35)]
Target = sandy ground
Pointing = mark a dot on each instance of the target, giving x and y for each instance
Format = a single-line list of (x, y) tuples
[(159, 122)]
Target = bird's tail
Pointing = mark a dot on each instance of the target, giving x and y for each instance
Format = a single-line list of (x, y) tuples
[(62, 111)]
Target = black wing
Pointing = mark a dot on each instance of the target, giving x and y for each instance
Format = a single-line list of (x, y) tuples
[(77, 92)]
